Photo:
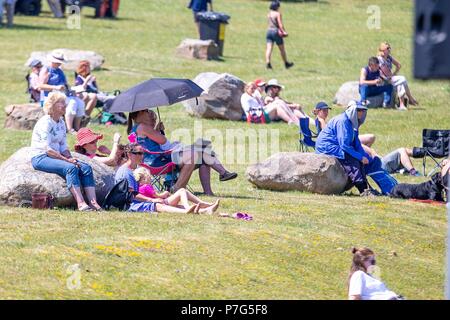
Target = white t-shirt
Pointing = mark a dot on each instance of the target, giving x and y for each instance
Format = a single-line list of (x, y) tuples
[(48, 135), (368, 287), (249, 103)]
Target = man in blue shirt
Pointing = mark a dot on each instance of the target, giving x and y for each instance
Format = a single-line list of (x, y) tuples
[(340, 139), (199, 6), (372, 84)]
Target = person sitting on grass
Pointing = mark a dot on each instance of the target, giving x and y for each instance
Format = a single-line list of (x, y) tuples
[(321, 113), (51, 153), (179, 199), (273, 89), (86, 144), (361, 284), (52, 77), (339, 139), (371, 83), (140, 202), (399, 82), (33, 80)]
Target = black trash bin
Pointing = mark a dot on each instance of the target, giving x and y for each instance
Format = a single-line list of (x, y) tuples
[(212, 27)]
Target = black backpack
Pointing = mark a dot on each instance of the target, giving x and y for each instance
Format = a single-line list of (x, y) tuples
[(119, 197)]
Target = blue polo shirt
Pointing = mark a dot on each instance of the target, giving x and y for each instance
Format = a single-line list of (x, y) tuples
[(200, 5)]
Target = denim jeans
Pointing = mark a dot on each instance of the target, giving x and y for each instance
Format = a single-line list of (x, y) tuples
[(369, 91), (73, 175)]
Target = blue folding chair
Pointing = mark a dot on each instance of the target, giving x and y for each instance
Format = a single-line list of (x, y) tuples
[(306, 136)]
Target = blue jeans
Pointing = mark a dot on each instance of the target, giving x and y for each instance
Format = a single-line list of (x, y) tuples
[(369, 91), (73, 175)]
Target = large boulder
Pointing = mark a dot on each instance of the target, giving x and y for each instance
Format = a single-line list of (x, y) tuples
[(23, 116), (72, 57), (221, 99), (350, 91), (299, 171), (19, 180), (198, 49)]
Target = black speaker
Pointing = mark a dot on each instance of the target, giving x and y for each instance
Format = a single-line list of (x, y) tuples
[(432, 39)]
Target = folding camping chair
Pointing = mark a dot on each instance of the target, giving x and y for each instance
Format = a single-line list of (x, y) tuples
[(306, 136), (158, 172), (435, 144)]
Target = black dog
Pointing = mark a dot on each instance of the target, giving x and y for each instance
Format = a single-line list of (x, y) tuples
[(430, 190)]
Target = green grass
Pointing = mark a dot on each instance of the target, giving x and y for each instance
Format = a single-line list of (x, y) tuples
[(298, 246)]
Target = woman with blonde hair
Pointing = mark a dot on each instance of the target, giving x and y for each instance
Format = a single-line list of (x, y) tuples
[(387, 61), (51, 154), (361, 284)]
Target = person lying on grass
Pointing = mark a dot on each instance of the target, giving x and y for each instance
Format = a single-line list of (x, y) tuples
[(140, 202), (179, 199)]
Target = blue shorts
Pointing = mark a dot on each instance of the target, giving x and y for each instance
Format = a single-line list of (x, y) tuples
[(140, 206), (272, 36)]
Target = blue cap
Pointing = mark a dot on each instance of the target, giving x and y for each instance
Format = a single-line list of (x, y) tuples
[(35, 63), (322, 105)]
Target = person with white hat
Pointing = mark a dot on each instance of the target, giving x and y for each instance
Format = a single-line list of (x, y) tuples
[(273, 89), (52, 78)]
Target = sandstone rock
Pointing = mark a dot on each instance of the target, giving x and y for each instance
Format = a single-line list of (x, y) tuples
[(299, 171), (73, 57), (350, 91), (221, 99), (198, 49), (19, 180), (23, 116)]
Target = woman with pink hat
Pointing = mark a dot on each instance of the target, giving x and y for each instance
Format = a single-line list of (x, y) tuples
[(87, 144)]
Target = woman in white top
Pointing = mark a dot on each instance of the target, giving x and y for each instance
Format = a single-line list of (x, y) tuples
[(251, 103), (363, 286), (51, 153), (387, 61)]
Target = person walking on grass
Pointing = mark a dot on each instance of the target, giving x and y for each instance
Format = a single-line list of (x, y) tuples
[(275, 34), (198, 6)]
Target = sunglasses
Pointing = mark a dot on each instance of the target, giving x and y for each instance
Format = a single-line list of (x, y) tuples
[(140, 153)]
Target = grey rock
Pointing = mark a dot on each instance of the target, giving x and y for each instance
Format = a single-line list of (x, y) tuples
[(221, 99), (198, 49), (350, 91), (72, 57), (299, 171), (22, 116), (19, 180)]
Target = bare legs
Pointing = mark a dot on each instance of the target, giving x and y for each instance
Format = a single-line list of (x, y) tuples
[(367, 139), (179, 203), (90, 194), (72, 122), (404, 158), (90, 100), (269, 48)]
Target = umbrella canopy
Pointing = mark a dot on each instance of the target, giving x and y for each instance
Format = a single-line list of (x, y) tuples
[(155, 92)]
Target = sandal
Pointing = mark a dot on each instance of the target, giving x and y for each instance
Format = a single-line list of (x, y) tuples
[(85, 208)]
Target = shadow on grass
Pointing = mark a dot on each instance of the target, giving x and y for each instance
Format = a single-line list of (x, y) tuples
[(36, 27), (229, 196)]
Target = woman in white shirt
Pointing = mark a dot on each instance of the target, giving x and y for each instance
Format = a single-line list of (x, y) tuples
[(252, 104), (363, 286), (51, 154)]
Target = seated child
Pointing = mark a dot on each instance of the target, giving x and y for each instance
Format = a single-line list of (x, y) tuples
[(180, 199)]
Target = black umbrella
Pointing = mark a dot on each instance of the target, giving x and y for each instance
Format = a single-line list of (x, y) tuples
[(155, 92)]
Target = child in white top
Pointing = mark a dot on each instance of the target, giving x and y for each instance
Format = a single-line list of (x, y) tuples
[(363, 286)]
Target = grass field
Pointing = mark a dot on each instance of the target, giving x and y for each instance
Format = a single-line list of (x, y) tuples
[(298, 246)]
